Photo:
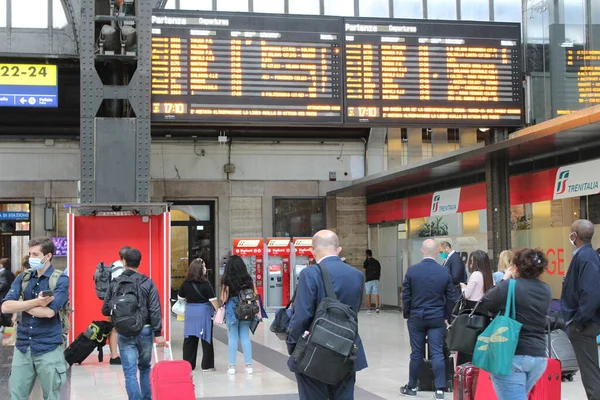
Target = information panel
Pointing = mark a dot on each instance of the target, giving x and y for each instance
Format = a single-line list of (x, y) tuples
[(432, 72), (585, 64), (28, 85), (240, 68)]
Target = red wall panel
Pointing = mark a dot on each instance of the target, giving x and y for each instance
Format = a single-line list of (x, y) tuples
[(472, 198), (419, 206), (99, 239), (384, 212), (531, 188)]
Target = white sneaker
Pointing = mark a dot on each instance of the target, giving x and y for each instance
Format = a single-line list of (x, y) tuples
[(249, 370), (231, 370), (369, 311), (377, 311), (211, 370)]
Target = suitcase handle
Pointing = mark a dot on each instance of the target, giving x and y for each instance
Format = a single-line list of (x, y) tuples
[(167, 352)]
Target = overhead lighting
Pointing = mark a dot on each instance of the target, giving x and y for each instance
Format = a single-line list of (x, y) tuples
[(128, 39), (108, 41), (484, 129)]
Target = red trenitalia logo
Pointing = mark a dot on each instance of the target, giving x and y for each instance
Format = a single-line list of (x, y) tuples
[(561, 186), (436, 203)]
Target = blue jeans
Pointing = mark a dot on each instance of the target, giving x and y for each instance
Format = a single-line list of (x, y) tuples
[(422, 331), (525, 373), (239, 331), (136, 353)]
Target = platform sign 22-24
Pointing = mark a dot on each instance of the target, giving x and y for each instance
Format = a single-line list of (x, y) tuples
[(28, 85)]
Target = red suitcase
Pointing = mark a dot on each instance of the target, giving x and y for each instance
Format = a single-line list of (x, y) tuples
[(465, 380), (484, 388), (549, 385), (172, 380)]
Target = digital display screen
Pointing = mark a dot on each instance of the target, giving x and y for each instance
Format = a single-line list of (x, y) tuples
[(60, 244), (240, 68), (432, 72), (585, 64)]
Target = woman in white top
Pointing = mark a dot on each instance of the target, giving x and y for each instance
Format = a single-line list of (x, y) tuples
[(504, 263), (481, 279)]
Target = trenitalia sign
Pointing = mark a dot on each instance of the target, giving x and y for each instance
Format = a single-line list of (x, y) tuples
[(577, 180), (446, 202)]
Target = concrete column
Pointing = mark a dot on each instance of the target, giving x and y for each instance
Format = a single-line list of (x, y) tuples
[(467, 137), (415, 145), (394, 148), (439, 140), (498, 197), (375, 151)]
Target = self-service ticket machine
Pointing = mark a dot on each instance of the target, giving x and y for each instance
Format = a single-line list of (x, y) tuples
[(278, 267), (301, 256), (252, 252)]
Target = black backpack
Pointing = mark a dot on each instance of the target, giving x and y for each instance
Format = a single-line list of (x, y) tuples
[(127, 315), (328, 352), (247, 308), (102, 278)]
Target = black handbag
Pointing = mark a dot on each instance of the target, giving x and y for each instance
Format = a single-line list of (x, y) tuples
[(464, 330), (281, 322)]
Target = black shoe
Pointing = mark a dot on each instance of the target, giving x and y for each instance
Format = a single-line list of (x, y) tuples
[(115, 361), (438, 395), (406, 391)]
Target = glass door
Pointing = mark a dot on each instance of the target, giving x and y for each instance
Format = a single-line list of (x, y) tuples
[(180, 252)]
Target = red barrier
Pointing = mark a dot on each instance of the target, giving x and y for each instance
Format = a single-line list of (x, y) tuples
[(93, 239)]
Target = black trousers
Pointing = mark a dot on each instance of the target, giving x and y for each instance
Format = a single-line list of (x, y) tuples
[(310, 389), (586, 351), (190, 352)]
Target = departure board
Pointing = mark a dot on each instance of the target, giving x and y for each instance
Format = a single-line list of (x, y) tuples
[(585, 64), (432, 73), (246, 68)]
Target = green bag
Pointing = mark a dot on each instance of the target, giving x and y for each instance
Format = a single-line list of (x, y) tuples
[(496, 346)]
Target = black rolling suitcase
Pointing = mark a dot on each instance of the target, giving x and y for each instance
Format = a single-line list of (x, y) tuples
[(427, 379), (93, 338), (562, 350)]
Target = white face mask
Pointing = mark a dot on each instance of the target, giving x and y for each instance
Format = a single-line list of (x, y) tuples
[(573, 240)]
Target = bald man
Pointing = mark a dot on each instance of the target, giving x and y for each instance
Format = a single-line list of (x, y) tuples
[(580, 305), (348, 283), (427, 291)]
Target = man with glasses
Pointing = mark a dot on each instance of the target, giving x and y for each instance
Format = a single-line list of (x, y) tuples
[(38, 351)]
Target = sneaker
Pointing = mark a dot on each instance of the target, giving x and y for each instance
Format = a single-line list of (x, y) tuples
[(231, 370), (115, 361), (438, 395), (406, 391), (210, 370), (249, 370), (377, 311), (369, 311)]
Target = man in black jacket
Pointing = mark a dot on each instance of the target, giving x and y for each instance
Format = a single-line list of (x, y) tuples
[(427, 290), (580, 305), (6, 280), (136, 351), (454, 263)]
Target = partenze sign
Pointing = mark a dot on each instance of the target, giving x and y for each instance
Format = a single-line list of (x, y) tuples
[(577, 180)]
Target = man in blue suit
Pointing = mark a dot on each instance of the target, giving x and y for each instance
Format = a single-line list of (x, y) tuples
[(428, 287), (348, 284)]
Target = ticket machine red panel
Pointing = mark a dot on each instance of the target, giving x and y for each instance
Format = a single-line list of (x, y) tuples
[(278, 283), (252, 252), (302, 256)]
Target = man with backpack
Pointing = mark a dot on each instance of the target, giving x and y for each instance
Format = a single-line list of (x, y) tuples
[(38, 353), (133, 304), (103, 276), (329, 285)]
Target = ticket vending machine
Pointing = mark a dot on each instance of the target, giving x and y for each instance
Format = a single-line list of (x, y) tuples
[(252, 252), (302, 254), (278, 280)]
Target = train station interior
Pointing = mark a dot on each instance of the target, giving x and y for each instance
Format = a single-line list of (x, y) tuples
[(210, 128)]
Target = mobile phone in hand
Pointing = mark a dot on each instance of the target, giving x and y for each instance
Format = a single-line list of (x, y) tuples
[(47, 293)]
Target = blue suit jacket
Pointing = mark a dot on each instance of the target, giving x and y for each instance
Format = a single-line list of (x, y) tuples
[(348, 284), (428, 291)]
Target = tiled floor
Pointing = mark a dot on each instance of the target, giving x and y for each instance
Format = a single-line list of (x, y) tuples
[(386, 343)]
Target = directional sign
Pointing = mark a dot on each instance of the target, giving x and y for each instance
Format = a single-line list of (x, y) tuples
[(28, 85), (14, 216)]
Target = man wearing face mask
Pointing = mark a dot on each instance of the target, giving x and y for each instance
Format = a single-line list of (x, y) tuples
[(38, 352), (580, 305), (454, 263)]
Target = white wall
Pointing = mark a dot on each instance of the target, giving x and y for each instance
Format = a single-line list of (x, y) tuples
[(258, 161), (36, 161)]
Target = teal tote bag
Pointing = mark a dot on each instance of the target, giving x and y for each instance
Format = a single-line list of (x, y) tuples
[(496, 346)]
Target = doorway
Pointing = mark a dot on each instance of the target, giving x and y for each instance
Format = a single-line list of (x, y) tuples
[(15, 223), (192, 236)]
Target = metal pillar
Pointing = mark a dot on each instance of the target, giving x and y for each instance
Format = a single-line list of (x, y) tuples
[(498, 197), (115, 151)]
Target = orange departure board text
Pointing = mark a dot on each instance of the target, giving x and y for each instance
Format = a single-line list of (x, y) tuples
[(585, 63), (404, 71), (246, 68)]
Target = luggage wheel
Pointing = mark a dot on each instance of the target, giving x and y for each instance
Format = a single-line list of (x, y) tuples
[(567, 377)]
